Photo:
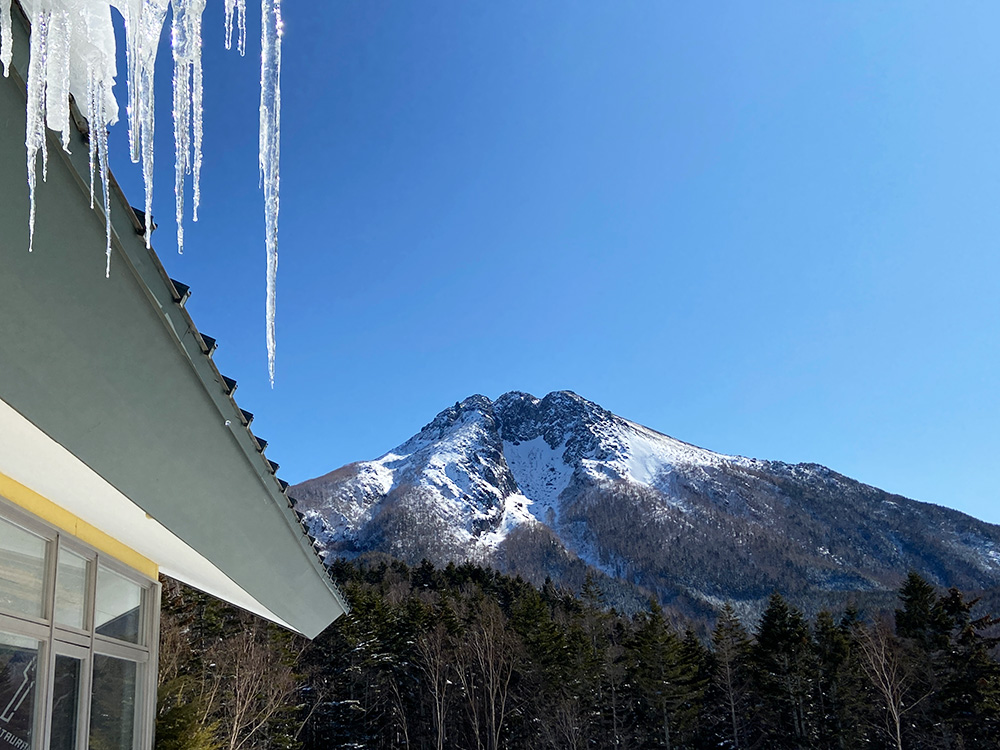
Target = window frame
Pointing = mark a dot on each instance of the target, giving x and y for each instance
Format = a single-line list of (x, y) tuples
[(85, 657), (56, 639)]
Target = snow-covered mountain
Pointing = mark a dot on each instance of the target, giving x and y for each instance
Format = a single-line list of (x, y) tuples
[(560, 487)]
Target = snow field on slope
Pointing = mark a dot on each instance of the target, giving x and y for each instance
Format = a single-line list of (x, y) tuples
[(649, 452), (515, 513), (442, 468), (540, 473)]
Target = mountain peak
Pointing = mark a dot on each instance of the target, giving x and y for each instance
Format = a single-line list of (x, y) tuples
[(474, 407)]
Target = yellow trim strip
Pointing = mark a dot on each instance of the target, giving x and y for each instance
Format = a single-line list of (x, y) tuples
[(61, 518)]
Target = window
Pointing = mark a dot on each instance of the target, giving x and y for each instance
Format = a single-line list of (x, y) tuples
[(67, 691), (72, 574), (77, 643), (18, 679), (119, 606), (112, 708), (22, 571)]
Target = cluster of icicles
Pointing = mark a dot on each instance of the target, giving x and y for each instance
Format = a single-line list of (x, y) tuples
[(73, 52)]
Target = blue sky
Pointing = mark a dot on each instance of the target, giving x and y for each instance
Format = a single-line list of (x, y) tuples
[(766, 228)]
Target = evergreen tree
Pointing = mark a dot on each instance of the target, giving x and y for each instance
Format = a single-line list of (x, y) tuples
[(922, 618), (727, 699), (783, 674), (666, 684), (841, 689), (969, 694), (924, 631)]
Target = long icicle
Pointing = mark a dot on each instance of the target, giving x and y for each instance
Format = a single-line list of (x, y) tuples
[(35, 126), (92, 123), (197, 130), (186, 42), (57, 67), (270, 137), (182, 111), (102, 152), (96, 117), (143, 27)]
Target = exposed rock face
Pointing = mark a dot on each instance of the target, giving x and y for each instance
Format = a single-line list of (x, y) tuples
[(560, 487)]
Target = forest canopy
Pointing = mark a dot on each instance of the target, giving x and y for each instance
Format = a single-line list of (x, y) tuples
[(465, 657)]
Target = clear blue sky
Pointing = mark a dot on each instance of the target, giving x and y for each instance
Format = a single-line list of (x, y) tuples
[(764, 228)]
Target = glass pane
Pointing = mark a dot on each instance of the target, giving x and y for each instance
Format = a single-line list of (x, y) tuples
[(18, 663), (22, 571), (65, 702), (112, 707), (71, 589), (119, 606)]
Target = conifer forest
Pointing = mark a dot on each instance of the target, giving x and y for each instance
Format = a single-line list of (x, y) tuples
[(466, 658)]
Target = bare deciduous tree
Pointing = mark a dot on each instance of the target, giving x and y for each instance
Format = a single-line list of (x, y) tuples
[(249, 685), (434, 660), (894, 682), (485, 665)]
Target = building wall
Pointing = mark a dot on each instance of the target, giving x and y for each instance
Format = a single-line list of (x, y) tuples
[(78, 634)]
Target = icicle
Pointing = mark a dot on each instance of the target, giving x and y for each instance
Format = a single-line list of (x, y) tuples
[(239, 7), (6, 37), (34, 140), (241, 16), (57, 63), (102, 150), (72, 50), (270, 137), (230, 7), (92, 89), (96, 99), (182, 115), (143, 26), (197, 134), (186, 38)]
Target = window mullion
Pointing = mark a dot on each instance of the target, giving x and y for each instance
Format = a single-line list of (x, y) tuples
[(151, 680), (46, 658), (86, 681), (45, 687), (91, 618)]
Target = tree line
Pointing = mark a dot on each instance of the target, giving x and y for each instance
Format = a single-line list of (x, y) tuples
[(465, 657)]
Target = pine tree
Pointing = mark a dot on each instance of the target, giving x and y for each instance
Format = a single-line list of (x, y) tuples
[(784, 675), (969, 696), (924, 631), (841, 688), (922, 618), (665, 682), (727, 700)]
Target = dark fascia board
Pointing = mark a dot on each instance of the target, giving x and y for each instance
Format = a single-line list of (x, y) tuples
[(165, 300)]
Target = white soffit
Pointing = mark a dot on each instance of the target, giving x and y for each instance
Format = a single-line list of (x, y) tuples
[(33, 459)]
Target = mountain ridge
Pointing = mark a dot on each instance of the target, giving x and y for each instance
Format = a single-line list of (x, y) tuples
[(560, 487)]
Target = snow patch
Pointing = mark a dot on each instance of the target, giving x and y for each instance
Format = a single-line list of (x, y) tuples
[(649, 454), (515, 513), (541, 475)]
